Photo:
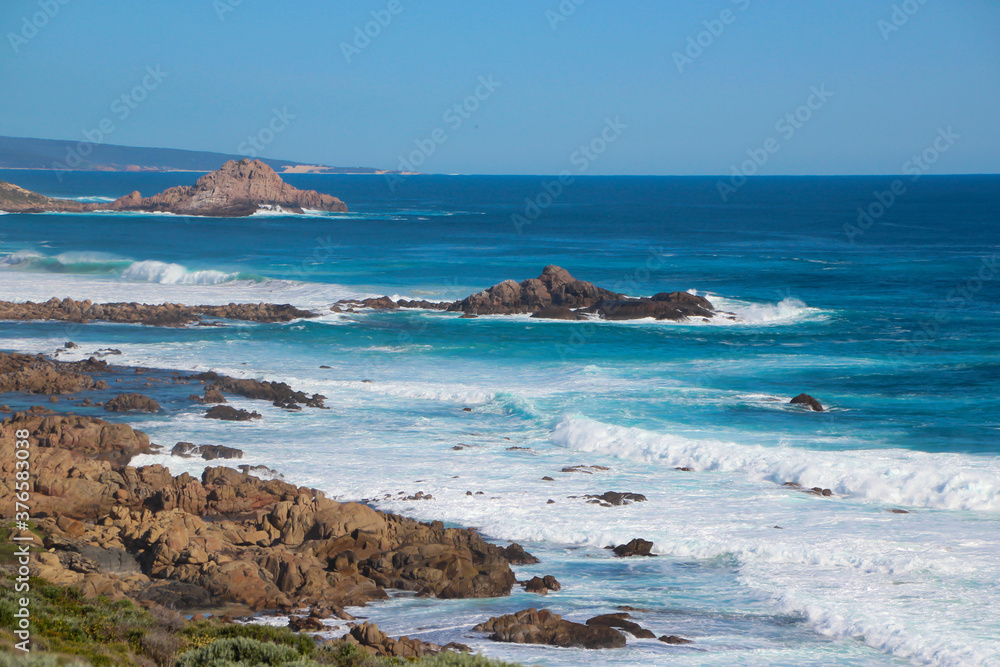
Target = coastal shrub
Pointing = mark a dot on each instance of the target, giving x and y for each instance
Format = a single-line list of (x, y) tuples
[(39, 660), (243, 652), (203, 633), (97, 632)]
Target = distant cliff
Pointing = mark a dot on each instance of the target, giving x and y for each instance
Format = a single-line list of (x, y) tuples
[(237, 189)]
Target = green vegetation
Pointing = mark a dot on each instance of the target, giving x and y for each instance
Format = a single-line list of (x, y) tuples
[(69, 630), (8, 547)]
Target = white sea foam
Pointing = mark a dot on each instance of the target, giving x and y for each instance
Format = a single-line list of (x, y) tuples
[(174, 274), (41, 286), (894, 476)]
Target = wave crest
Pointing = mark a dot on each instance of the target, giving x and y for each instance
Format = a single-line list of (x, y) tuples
[(899, 477)]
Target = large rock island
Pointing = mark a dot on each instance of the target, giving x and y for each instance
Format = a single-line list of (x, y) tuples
[(237, 189), (556, 294)]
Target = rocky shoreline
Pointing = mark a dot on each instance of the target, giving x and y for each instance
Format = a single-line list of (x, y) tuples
[(161, 315), (237, 189), (231, 540)]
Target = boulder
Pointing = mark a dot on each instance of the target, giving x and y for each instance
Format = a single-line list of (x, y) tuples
[(207, 452), (616, 498), (542, 585), (131, 403), (229, 413), (808, 401), (532, 626), (376, 642), (621, 622), (637, 547), (516, 555), (556, 313)]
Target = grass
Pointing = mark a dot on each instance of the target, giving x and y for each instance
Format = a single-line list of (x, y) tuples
[(68, 630), (8, 547)]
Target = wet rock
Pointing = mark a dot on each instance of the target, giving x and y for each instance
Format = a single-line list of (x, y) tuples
[(807, 400), (207, 452), (616, 498), (278, 393), (556, 313), (621, 622), (38, 375), (228, 413), (542, 585), (636, 547), (674, 639), (131, 403), (306, 624), (516, 555), (376, 642), (166, 315), (532, 626)]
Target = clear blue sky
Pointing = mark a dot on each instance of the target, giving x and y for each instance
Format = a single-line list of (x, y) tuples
[(892, 89)]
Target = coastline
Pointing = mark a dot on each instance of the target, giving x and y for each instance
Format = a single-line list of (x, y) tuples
[(72, 519)]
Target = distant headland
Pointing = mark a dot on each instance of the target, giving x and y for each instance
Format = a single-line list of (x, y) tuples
[(237, 189), (69, 155)]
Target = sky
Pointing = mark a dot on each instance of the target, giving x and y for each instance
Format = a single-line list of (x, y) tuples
[(679, 87)]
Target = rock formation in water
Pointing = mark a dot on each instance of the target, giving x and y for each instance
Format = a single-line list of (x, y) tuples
[(237, 189), (556, 294)]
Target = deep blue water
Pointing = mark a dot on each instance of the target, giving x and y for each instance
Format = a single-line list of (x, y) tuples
[(896, 330)]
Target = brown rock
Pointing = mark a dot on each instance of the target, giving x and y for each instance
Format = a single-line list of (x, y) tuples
[(542, 585), (532, 626), (131, 403), (621, 622), (807, 400), (306, 624), (237, 189), (637, 547), (228, 413)]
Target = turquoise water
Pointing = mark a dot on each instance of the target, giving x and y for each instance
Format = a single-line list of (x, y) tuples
[(896, 332)]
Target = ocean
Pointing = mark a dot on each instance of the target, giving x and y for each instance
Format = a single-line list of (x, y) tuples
[(892, 321)]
